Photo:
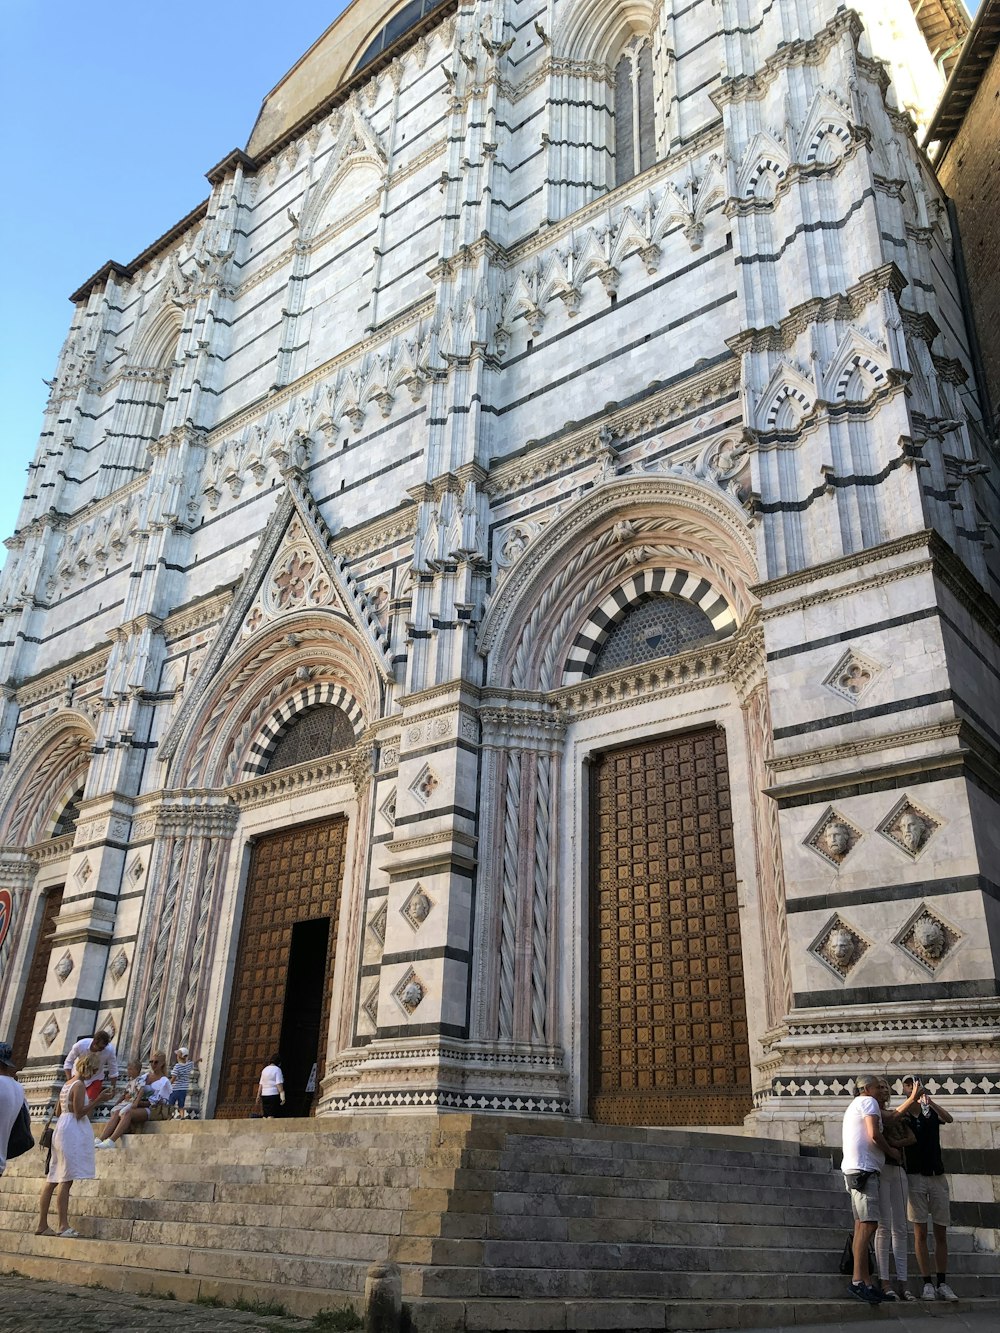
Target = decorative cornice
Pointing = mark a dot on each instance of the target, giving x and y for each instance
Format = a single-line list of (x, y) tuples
[(846, 564), (842, 306)]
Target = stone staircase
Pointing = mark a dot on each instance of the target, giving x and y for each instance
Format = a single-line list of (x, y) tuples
[(495, 1223)]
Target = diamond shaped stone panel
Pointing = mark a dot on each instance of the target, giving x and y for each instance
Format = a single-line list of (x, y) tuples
[(853, 676), (409, 992), (927, 938), (909, 827), (377, 924), (839, 946), (417, 908), (425, 784), (834, 838)]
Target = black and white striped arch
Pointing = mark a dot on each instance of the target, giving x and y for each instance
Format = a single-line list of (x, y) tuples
[(639, 588), (308, 697)]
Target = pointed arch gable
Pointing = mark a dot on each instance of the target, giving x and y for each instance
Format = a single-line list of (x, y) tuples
[(594, 30), (624, 528), (348, 620), (41, 781), (308, 656)]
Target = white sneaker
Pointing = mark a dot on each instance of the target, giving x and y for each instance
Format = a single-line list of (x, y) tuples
[(945, 1293), (929, 1292), (105, 1143)]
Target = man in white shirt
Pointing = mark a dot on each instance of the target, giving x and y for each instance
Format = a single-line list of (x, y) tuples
[(104, 1080), (11, 1099), (865, 1151)]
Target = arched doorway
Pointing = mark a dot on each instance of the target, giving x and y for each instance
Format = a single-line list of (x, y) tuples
[(284, 966), (668, 1010)]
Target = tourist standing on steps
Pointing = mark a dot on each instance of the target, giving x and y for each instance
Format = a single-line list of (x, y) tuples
[(11, 1099), (72, 1149), (893, 1232), (180, 1078), (865, 1153), (928, 1187), (101, 1046), (271, 1089)]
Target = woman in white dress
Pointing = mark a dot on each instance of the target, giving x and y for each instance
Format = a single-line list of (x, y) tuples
[(72, 1149), (152, 1103)]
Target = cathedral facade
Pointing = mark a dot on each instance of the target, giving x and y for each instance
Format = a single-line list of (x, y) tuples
[(504, 607)]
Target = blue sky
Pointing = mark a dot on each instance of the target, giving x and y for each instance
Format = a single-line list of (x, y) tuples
[(108, 126), (108, 129)]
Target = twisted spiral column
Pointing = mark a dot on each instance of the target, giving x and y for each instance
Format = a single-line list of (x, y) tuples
[(540, 901), (508, 923), (161, 943)]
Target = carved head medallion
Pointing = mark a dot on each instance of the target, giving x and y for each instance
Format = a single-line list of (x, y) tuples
[(839, 946), (834, 838), (910, 827)]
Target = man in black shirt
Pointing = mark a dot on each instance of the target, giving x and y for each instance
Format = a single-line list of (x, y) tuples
[(928, 1189)]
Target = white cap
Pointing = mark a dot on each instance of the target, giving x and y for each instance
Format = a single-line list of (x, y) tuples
[(182, 1051)]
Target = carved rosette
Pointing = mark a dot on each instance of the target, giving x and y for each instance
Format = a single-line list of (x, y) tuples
[(853, 676)]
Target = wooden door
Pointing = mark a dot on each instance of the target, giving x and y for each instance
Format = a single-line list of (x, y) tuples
[(36, 976), (668, 1017), (295, 877)]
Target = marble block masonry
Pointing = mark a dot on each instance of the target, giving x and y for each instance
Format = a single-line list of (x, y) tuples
[(504, 605)]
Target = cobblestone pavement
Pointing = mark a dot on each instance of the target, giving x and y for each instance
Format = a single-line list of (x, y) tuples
[(27, 1306), (900, 1321)]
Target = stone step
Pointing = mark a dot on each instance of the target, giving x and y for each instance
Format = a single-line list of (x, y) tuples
[(769, 1174), (755, 1153), (625, 1316), (647, 1284), (819, 1189)]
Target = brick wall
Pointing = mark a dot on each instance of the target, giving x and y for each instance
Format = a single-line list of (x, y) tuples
[(970, 173)]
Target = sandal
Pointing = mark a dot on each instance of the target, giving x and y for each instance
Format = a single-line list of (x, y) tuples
[(45, 1231), (69, 1234)]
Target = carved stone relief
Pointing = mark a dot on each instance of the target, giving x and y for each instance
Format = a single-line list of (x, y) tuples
[(50, 1031), (118, 965), (409, 991), (417, 908), (425, 784), (388, 808), (834, 838), (369, 1006), (927, 938), (853, 676), (839, 946), (64, 966), (909, 827), (377, 924)]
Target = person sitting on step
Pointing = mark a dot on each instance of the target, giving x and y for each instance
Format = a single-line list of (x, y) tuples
[(154, 1104)]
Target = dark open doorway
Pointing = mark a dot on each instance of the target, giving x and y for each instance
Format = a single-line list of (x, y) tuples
[(302, 1017)]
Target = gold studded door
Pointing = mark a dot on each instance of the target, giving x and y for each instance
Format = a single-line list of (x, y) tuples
[(32, 997), (294, 878), (668, 1012)]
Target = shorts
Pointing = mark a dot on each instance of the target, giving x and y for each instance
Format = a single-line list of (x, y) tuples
[(178, 1097), (865, 1204), (270, 1107), (94, 1088), (929, 1197)]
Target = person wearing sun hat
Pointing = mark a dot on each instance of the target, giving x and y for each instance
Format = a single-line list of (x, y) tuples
[(11, 1099), (180, 1077)]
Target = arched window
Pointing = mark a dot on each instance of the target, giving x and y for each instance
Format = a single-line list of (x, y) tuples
[(635, 132), (655, 628), (66, 822), (311, 734)]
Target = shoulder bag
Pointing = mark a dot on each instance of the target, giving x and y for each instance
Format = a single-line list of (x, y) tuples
[(21, 1137)]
